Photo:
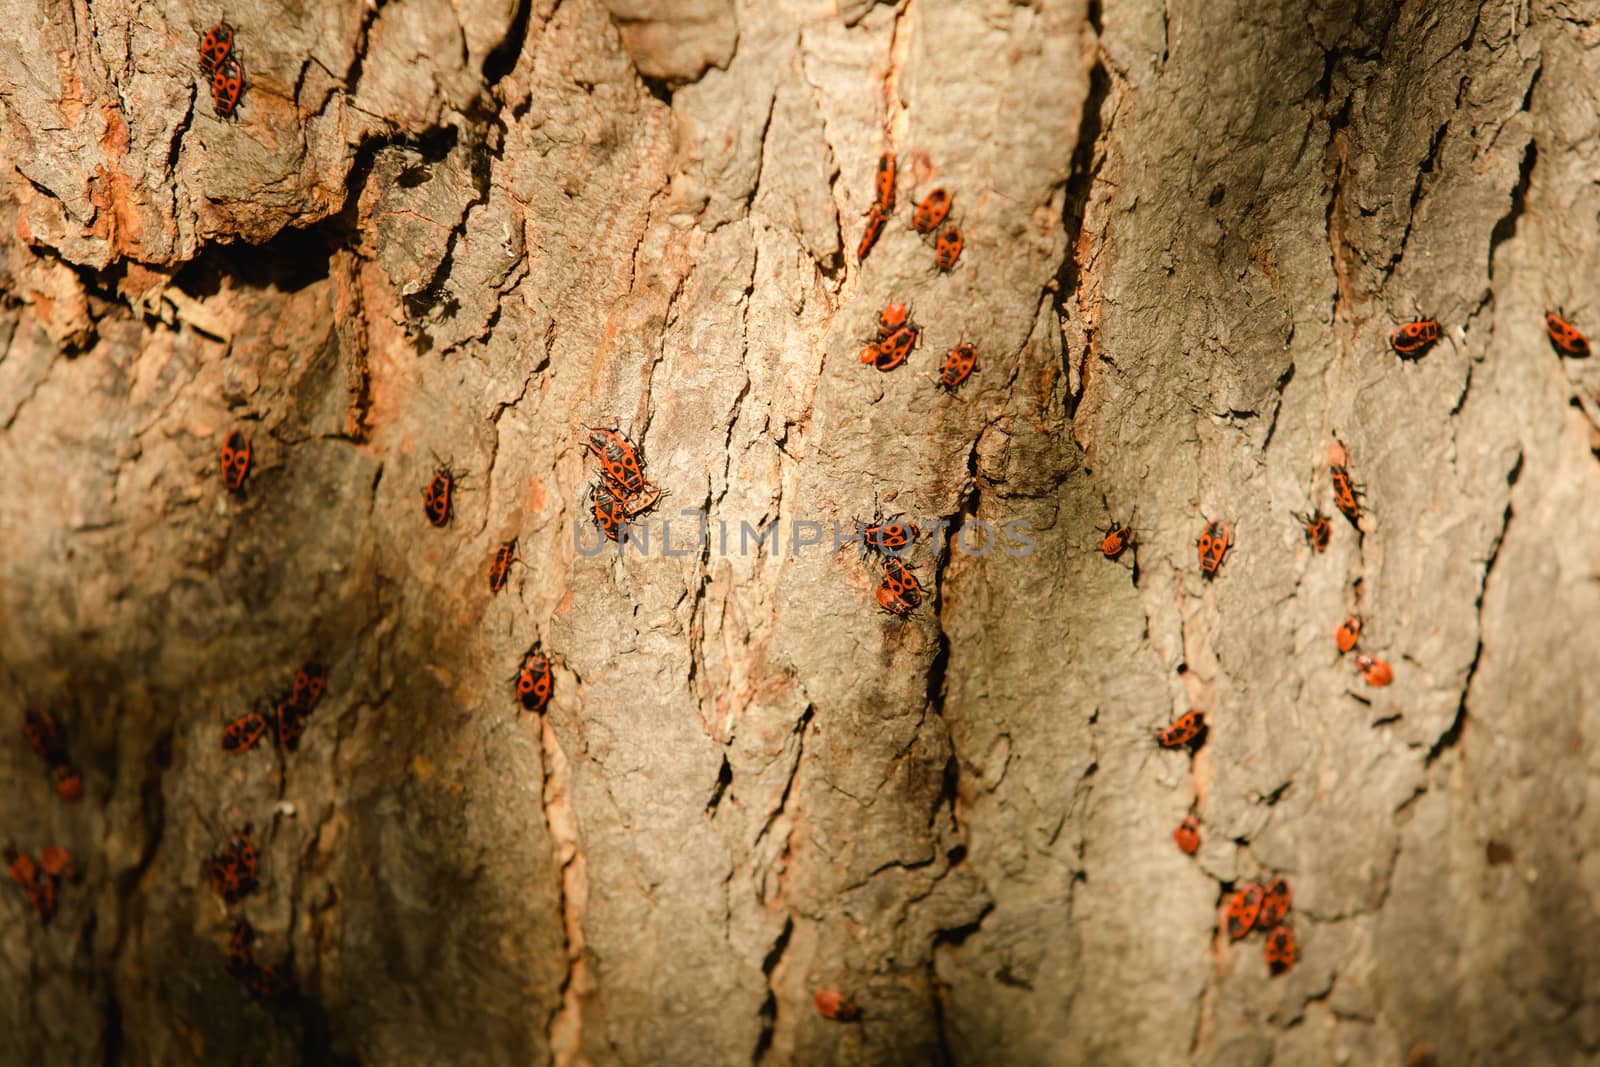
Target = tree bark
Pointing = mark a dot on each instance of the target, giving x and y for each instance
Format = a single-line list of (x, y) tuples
[(458, 233)]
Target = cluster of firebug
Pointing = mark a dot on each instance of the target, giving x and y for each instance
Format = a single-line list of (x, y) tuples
[(1253, 907), (622, 493), (897, 336), (899, 593), (262, 980), (45, 737), (285, 715), (219, 61), (41, 881)]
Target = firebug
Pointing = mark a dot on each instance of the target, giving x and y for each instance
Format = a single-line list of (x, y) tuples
[(500, 566), (1346, 497), (891, 319), (1347, 633), (836, 1006), (609, 514), (1565, 336), (309, 682), (636, 504), (1116, 540), (290, 719), (932, 211), (227, 83), (242, 733), (1187, 835), (1375, 671), (1280, 951), (215, 46), (883, 183), (1275, 901), (889, 535), (1243, 909), (436, 495), (69, 783), (947, 248), (958, 365), (900, 594), (1189, 729), (1215, 540), (621, 461), (1414, 338), (57, 862), (235, 460), (869, 236), (534, 682), (1317, 528)]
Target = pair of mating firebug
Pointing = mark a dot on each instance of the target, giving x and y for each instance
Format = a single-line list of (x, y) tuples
[(622, 493), (899, 592), (220, 62), (40, 881), (45, 737), (286, 717)]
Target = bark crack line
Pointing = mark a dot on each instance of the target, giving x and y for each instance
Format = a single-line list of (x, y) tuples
[(1452, 733), (769, 1007)]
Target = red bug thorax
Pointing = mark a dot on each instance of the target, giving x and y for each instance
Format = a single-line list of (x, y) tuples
[(1565, 336), (1347, 633), (1414, 337), (932, 210), (1280, 949), (947, 248), (883, 183), (958, 365), (869, 235), (1187, 835), (1243, 909), (235, 460)]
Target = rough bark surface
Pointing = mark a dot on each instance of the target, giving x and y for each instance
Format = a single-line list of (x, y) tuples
[(462, 230)]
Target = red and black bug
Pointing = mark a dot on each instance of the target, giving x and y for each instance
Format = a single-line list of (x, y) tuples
[(892, 319), (1565, 336), (235, 460), (883, 183), (1280, 950), (947, 248), (1317, 528), (1347, 632), (1346, 497), (1244, 907), (621, 461), (900, 594), (958, 365), (500, 566), (1116, 540), (436, 495), (227, 83), (242, 733), (1187, 835), (931, 211), (215, 46), (1215, 540), (869, 236), (889, 535), (1275, 903), (1188, 731), (69, 783), (836, 1006), (235, 871), (290, 719), (896, 347), (309, 683), (534, 683), (609, 514), (1414, 338)]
